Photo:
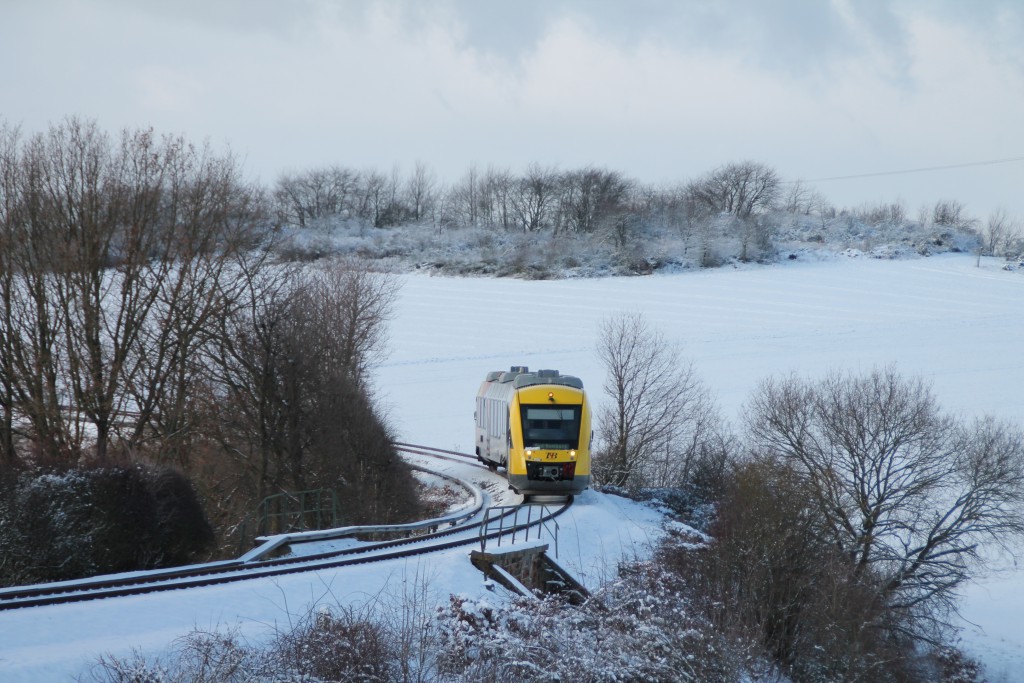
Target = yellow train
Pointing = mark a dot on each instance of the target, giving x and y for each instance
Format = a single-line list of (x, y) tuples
[(537, 426)]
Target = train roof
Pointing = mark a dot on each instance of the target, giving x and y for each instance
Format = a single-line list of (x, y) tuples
[(520, 376)]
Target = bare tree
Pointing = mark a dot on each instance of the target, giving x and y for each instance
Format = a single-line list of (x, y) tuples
[(117, 256), (744, 190), (799, 197), (484, 199), (290, 403), (770, 573), (591, 196), (904, 492), (356, 302), (534, 197), (303, 198), (825, 211), (247, 361), (675, 209), (9, 210), (209, 280), (394, 211), (951, 213), (883, 213), (997, 234), (661, 420), (498, 185), (466, 196), (421, 191), (371, 201)]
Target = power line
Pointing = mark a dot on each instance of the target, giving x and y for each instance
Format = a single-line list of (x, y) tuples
[(991, 162)]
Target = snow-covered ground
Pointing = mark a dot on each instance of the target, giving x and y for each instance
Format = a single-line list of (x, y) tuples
[(942, 318), (57, 643), (939, 317)]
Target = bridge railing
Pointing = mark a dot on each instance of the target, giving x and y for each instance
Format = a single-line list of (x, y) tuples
[(518, 524)]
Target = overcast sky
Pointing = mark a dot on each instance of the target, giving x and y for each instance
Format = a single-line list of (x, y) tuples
[(661, 90)]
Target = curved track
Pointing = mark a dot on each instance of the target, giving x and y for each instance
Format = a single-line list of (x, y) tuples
[(463, 530)]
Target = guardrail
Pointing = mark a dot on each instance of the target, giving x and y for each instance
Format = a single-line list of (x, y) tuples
[(268, 544), (520, 521), (290, 512)]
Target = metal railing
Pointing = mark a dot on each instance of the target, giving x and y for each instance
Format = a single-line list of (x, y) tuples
[(270, 543), (299, 511), (521, 521)]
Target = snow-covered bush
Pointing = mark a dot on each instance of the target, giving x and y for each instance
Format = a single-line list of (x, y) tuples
[(79, 523), (336, 646), (325, 646), (197, 657), (639, 244), (660, 620), (642, 627)]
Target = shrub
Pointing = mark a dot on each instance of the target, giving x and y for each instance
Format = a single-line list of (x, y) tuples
[(340, 646), (79, 523), (640, 628), (770, 575), (198, 657), (324, 647)]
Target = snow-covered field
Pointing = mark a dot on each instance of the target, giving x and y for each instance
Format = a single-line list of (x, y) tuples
[(940, 317), (960, 326)]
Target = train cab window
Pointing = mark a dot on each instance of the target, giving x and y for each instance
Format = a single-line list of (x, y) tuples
[(551, 427)]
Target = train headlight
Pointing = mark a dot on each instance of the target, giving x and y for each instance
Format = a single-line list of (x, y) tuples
[(572, 454), (529, 453)]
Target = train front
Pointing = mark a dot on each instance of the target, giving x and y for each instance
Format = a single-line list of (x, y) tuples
[(550, 435)]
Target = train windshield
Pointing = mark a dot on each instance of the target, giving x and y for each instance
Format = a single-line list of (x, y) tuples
[(554, 427)]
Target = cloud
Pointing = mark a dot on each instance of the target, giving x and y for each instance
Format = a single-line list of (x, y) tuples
[(658, 89)]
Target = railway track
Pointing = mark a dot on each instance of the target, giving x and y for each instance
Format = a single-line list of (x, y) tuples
[(440, 453), (464, 528)]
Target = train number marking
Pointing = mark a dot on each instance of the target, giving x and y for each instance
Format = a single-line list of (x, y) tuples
[(552, 456)]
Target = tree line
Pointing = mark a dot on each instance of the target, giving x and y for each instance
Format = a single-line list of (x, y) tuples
[(584, 201), (539, 199), (142, 322), (746, 202)]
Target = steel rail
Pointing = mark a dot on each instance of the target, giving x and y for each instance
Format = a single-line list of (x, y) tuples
[(271, 543), (443, 453), (261, 570), (254, 559), (244, 569)]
